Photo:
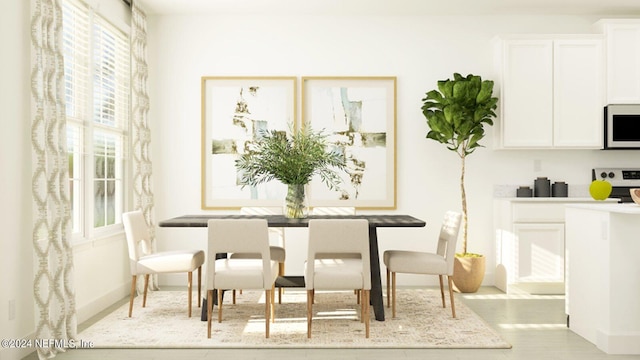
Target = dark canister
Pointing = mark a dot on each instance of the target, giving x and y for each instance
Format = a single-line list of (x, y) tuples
[(524, 191), (559, 189), (542, 187)]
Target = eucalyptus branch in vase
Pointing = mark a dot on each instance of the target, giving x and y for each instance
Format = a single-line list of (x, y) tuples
[(293, 159)]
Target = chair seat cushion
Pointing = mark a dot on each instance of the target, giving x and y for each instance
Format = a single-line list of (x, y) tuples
[(415, 262), (243, 274), (170, 261), (277, 254), (338, 274)]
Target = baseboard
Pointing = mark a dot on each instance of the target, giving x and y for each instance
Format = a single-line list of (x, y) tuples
[(537, 288), (83, 313), (618, 343), (91, 309), (17, 353)]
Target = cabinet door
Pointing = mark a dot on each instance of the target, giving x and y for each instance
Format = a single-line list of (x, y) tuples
[(623, 63), (540, 253), (527, 96), (578, 99)]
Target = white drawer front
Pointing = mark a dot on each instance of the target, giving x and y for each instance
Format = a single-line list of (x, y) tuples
[(536, 213)]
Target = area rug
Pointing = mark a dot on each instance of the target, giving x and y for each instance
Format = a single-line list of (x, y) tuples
[(421, 322)]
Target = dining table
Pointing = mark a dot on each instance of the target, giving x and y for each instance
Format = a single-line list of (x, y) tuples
[(280, 221)]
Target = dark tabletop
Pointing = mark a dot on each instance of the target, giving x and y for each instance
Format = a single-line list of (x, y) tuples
[(282, 221)]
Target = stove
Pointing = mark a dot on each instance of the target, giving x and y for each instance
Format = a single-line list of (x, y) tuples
[(621, 179)]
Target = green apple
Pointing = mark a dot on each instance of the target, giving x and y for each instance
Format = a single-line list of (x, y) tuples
[(600, 189)]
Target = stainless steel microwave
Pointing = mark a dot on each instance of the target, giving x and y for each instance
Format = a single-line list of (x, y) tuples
[(622, 126)]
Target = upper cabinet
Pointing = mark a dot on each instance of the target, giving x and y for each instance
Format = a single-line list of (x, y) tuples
[(622, 43), (551, 92), (578, 93)]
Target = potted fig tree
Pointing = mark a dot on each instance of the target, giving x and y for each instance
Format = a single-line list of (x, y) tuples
[(456, 115)]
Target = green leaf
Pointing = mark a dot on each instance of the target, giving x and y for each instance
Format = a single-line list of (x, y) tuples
[(485, 92)]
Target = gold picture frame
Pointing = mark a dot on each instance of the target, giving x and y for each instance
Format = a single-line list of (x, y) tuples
[(359, 114), (234, 110)]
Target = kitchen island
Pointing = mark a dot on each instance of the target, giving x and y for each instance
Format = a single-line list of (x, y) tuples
[(603, 274)]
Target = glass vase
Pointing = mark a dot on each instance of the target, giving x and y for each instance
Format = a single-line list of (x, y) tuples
[(296, 202)]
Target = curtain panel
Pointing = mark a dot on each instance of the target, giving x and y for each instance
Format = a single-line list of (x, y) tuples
[(140, 129), (53, 289)]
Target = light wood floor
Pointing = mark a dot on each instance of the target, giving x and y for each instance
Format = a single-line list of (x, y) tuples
[(534, 325)]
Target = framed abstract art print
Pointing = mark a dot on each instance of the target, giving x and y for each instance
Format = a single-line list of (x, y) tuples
[(234, 112), (359, 114)]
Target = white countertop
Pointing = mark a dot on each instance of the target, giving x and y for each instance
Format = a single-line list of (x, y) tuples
[(559, 199), (626, 208)]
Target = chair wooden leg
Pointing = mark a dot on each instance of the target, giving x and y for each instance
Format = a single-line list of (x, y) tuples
[(272, 298), (388, 288), (309, 312), (199, 284), (366, 294), (280, 290), (233, 296), (146, 286), (362, 305), (453, 305), (209, 311), (219, 305), (361, 309), (393, 294), (189, 290), (133, 290), (267, 312), (442, 291)]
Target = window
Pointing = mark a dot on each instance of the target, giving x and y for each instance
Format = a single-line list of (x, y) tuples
[(97, 94)]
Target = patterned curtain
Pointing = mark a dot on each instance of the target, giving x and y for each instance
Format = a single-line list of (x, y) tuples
[(53, 288), (141, 133)]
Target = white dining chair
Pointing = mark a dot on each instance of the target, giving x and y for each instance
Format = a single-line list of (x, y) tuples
[(276, 235), (143, 261), (338, 236), (241, 236), (416, 262), (337, 210)]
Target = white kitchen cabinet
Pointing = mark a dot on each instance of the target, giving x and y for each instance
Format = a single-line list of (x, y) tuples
[(530, 243), (526, 97), (578, 93), (551, 92), (622, 49), (540, 254)]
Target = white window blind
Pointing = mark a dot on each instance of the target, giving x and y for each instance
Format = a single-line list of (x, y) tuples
[(97, 91)]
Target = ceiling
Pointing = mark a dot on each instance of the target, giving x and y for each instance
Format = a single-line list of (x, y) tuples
[(617, 8)]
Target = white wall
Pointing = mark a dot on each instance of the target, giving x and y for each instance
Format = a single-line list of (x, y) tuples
[(101, 266), (418, 50), (16, 272)]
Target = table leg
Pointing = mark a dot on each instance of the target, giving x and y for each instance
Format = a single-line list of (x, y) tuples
[(376, 282)]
